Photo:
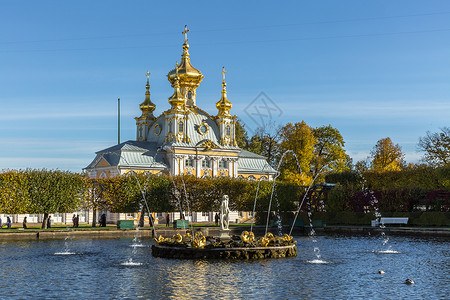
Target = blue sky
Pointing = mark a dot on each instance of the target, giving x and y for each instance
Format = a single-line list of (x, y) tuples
[(372, 69)]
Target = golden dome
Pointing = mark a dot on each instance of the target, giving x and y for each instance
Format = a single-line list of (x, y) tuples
[(147, 106), (187, 74), (224, 105), (177, 99)]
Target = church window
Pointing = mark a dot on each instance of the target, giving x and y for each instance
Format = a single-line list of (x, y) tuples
[(180, 126), (170, 126), (140, 131), (206, 163), (189, 94), (189, 163), (228, 130), (223, 164)]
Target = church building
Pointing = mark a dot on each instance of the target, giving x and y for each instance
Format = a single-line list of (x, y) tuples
[(184, 139)]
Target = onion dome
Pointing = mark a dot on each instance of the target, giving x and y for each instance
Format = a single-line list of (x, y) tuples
[(147, 106), (224, 105), (177, 99), (187, 74)]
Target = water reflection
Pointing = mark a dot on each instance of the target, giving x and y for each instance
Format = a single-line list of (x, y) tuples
[(99, 270)]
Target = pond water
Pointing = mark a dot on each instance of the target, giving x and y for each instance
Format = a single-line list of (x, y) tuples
[(124, 268)]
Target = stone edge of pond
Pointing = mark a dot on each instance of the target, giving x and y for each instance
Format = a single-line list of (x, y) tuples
[(213, 231)]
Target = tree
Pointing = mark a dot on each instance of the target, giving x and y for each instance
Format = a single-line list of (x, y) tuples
[(54, 192), (329, 150), (298, 138), (436, 146), (14, 197), (241, 134), (386, 156), (266, 142)]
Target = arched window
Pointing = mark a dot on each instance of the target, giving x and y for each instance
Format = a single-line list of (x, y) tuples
[(180, 126), (189, 94), (228, 130), (170, 126), (251, 178)]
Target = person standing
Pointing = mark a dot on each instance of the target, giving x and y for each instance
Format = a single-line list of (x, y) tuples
[(74, 220), (167, 220), (8, 222), (24, 223), (77, 220), (216, 217), (49, 222)]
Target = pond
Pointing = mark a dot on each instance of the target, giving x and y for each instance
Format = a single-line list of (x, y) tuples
[(124, 268)]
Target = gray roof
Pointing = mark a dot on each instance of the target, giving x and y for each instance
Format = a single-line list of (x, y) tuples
[(252, 162), (131, 154)]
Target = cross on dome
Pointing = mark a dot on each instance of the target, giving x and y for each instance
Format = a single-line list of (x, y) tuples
[(147, 74), (223, 73), (185, 32)]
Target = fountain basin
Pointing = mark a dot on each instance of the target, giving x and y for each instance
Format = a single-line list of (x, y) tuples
[(177, 252)]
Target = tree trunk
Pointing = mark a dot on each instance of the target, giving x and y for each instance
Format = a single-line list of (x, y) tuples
[(44, 222), (94, 218)]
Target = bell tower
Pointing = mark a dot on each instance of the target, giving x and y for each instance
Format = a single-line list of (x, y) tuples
[(224, 119)]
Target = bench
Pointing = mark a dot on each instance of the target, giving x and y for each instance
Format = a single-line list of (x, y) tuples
[(390, 221)]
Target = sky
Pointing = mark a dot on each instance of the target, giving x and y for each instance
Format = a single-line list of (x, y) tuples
[(371, 69)]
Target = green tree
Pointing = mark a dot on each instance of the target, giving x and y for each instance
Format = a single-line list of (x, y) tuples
[(329, 150), (54, 192), (14, 197), (241, 134), (436, 146), (266, 142), (386, 156)]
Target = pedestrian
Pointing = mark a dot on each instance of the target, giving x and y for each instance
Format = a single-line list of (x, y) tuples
[(77, 220), (0, 223), (49, 222), (167, 220), (74, 219), (24, 223), (216, 218), (103, 220), (8, 222)]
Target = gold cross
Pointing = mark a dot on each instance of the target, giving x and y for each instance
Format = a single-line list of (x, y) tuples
[(185, 32), (223, 73), (147, 74)]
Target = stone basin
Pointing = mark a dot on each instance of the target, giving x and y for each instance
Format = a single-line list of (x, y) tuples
[(165, 251)]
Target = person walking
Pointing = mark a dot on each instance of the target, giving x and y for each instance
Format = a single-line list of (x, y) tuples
[(8, 222), (167, 220), (74, 220), (24, 223)]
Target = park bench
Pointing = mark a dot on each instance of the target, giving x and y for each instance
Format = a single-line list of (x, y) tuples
[(390, 221)]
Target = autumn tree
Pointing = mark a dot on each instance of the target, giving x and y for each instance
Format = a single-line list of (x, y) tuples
[(329, 150), (298, 138), (386, 156), (436, 146)]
